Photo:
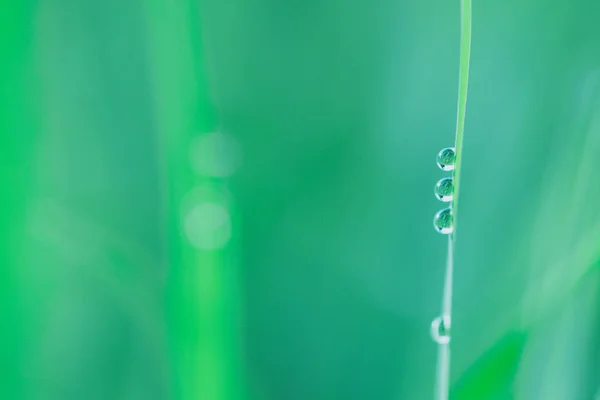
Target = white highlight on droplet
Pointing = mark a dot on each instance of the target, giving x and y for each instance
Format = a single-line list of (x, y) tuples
[(207, 226), (440, 329)]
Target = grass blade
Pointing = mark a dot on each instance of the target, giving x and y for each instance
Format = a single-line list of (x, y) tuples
[(443, 367)]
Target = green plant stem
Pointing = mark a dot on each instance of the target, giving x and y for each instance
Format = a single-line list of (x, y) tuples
[(463, 84), (443, 364)]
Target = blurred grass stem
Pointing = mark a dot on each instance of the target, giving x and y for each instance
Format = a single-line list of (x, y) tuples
[(443, 362)]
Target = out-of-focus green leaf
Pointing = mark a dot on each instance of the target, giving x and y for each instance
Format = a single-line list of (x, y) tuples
[(491, 376)]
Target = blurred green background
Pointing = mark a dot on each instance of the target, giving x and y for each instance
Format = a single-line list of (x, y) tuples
[(224, 200)]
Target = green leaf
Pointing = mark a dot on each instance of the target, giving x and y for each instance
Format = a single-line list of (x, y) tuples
[(492, 375)]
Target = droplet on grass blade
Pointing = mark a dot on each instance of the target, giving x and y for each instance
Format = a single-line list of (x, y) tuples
[(440, 329), (444, 189), (446, 158), (443, 221), (207, 226)]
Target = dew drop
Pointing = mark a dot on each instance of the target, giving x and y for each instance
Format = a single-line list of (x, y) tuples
[(444, 189), (440, 329), (446, 158), (208, 226), (443, 221)]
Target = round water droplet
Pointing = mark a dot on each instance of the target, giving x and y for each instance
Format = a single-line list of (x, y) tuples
[(208, 226), (440, 329), (443, 221), (444, 189), (446, 158)]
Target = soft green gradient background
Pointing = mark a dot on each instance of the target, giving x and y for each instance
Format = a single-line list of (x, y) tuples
[(333, 272)]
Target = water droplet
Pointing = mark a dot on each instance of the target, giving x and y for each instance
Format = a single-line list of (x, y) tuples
[(444, 189), (446, 158), (443, 221), (208, 226), (440, 329)]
